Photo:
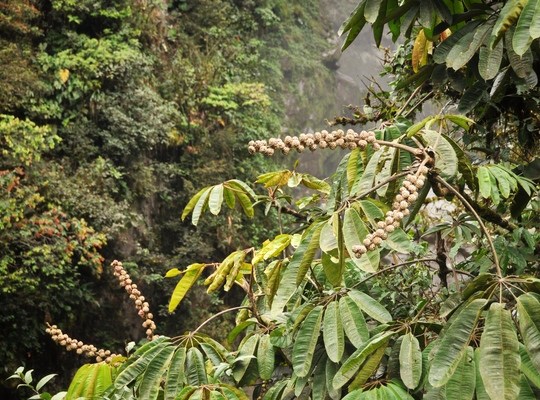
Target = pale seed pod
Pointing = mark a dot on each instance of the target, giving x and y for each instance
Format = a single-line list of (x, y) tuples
[(362, 143), (381, 224), (366, 242), (389, 228), (252, 150), (377, 240), (376, 146), (403, 205), (379, 232), (413, 197), (372, 246)]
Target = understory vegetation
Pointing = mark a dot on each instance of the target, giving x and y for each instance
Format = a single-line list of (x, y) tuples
[(411, 272)]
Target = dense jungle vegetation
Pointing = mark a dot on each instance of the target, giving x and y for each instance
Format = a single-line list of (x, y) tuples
[(412, 272), (112, 114)]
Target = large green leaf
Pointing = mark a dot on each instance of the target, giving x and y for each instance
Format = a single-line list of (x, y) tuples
[(508, 16), (191, 275), (246, 354), (410, 361), (266, 355), (195, 370), (318, 388), (331, 370), (499, 354), (522, 39), (353, 25), (90, 381), (366, 181), (333, 335), (528, 368), (484, 181), (135, 369), (215, 199), (489, 61), (175, 375), (355, 361), (453, 344), (442, 50), (370, 306), (194, 200), (480, 389), (150, 384), (462, 384), (298, 267), (446, 160), (535, 23), (466, 47), (306, 341), (369, 367), (521, 64), (353, 320), (373, 9), (354, 232), (528, 308)]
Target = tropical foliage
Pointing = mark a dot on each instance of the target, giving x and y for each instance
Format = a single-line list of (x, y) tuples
[(412, 271)]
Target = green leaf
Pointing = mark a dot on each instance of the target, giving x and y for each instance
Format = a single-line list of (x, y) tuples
[(446, 160), (175, 375), (366, 182), (528, 308), (535, 23), (191, 275), (400, 242), (318, 389), (202, 203), (90, 381), (460, 120), (353, 25), (472, 96), (150, 383), (194, 200), (215, 199), (306, 341), (142, 357), (369, 367), (528, 368), (373, 9), (297, 268), (312, 182), (466, 47), (327, 239), (370, 306), (490, 59), (462, 384), (43, 381), (441, 51), (355, 361), (238, 185), (508, 15), (522, 39), (354, 167), (333, 335), (480, 389), (525, 391), (354, 232), (522, 65), (503, 180), (195, 370), (265, 357), (454, 343), (499, 354), (410, 361), (228, 195), (371, 211), (331, 370), (353, 320), (246, 204), (484, 181)]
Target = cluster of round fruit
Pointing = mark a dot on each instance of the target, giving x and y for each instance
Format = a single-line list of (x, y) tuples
[(88, 350), (312, 141), (134, 293), (400, 208)]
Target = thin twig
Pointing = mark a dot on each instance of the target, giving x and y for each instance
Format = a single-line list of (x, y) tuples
[(217, 315), (480, 222)]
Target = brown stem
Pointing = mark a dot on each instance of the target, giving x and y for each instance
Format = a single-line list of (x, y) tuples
[(480, 222)]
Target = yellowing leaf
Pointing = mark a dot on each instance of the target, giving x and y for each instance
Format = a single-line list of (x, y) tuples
[(420, 51), (63, 74)]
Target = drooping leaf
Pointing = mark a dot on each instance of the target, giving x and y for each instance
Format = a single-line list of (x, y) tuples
[(356, 359), (528, 368), (489, 61), (150, 384), (175, 374), (370, 306), (265, 357), (463, 383), (353, 320), (369, 367), (484, 181), (366, 182), (298, 267), (353, 25), (466, 47), (331, 370), (194, 200), (90, 381), (522, 39), (521, 64), (471, 97), (446, 160), (354, 232), (535, 22), (191, 275), (499, 354), (410, 361), (195, 370), (333, 335), (306, 341), (507, 17), (215, 199), (420, 51), (528, 308), (246, 354), (454, 343), (318, 389)]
